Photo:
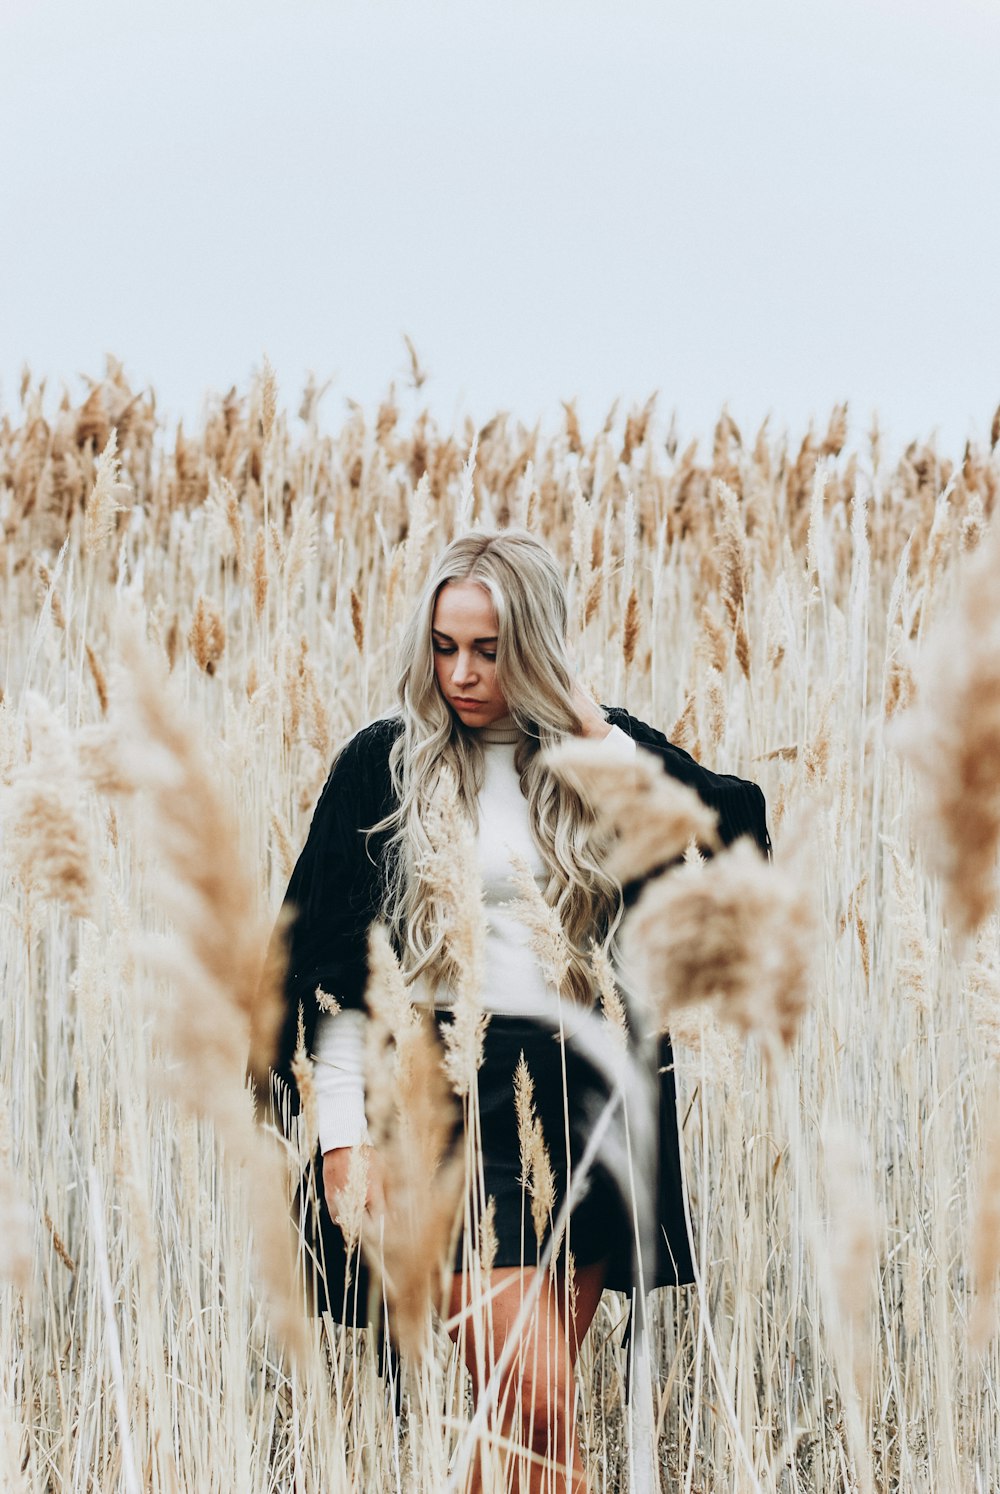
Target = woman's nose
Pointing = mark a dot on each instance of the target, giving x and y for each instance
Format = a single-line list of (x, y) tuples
[(463, 668)]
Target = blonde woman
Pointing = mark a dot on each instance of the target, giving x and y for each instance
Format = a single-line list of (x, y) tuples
[(485, 684)]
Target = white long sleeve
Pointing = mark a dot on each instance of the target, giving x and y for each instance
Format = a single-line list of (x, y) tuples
[(514, 980), (339, 1078)]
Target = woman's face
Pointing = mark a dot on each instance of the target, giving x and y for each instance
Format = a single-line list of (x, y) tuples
[(465, 650)]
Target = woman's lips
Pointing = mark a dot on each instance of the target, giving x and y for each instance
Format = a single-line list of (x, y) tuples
[(461, 701)]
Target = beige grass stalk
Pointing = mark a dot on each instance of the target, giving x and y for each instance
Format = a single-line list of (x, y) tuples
[(207, 636), (915, 965), (220, 1010), (421, 526), (301, 549), (451, 870), (985, 1242), (261, 573), (43, 812), (733, 567), (817, 547), (224, 520), (547, 938), (536, 1165), (17, 1227), (268, 394), (612, 1004), (412, 1119), (983, 988), (103, 506), (854, 1237), (951, 739)]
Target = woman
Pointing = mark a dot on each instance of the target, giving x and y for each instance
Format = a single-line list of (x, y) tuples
[(485, 684)]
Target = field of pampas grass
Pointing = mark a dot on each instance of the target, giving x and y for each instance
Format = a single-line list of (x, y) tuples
[(192, 623)]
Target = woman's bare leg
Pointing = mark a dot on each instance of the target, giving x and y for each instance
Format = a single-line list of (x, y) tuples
[(536, 1403)]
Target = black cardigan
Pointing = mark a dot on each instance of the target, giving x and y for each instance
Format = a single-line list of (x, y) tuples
[(335, 888)]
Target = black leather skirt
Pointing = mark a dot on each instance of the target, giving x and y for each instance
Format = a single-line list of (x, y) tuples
[(607, 1117)]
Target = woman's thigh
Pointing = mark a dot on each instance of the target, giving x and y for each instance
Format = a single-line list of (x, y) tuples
[(550, 1332)]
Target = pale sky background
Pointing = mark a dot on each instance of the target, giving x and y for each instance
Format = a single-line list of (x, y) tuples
[(773, 203)]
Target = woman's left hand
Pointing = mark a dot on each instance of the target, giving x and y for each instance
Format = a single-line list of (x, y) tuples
[(595, 723)]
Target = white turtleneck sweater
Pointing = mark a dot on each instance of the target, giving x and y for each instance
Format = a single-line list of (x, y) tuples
[(514, 982)]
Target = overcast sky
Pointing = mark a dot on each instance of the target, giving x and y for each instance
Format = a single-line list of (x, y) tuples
[(774, 203)]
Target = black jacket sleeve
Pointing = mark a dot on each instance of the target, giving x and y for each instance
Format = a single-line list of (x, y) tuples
[(333, 893), (738, 802)]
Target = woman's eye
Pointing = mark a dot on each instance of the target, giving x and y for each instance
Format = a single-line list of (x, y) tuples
[(440, 648)]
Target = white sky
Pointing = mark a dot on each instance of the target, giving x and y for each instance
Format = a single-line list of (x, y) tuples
[(774, 203)]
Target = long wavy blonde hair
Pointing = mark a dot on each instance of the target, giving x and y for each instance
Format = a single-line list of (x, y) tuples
[(435, 749)]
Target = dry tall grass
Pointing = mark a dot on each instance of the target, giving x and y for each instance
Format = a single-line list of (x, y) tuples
[(774, 608)]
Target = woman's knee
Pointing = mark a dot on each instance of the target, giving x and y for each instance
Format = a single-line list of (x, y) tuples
[(546, 1402)]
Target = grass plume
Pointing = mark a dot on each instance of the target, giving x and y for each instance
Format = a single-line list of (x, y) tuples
[(653, 816), (222, 1008), (734, 929), (951, 739)]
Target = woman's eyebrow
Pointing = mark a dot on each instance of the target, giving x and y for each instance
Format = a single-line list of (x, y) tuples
[(492, 638)]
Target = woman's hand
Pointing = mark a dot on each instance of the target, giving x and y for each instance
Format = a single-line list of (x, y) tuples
[(336, 1168), (595, 723)]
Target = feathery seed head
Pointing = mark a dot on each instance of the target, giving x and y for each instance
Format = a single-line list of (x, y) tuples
[(450, 869), (49, 840), (735, 928), (951, 739), (207, 638), (103, 505), (412, 1122), (548, 939), (653, 816)]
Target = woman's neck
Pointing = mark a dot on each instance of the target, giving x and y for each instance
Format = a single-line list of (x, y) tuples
[(504, 729)]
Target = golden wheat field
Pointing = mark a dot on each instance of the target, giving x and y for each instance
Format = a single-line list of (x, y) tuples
[(192, 623)]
